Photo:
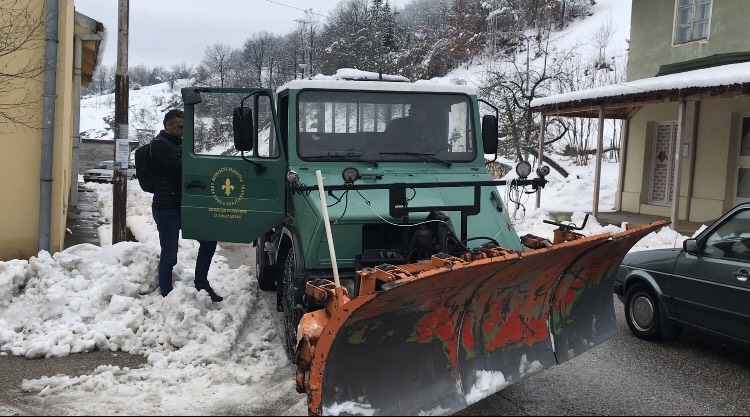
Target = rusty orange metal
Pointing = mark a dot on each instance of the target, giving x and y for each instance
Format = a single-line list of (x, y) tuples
[(436, 331)]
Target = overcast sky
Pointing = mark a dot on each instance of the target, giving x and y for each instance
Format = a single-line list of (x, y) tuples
[(165, 32)]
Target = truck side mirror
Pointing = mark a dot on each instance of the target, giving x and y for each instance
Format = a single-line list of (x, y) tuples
[(489, 133), (242, 124), (191, 96)]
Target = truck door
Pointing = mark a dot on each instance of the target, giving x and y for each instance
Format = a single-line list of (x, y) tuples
[(229, 195)]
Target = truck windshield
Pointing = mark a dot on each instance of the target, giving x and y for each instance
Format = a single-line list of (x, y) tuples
[(385, 126)]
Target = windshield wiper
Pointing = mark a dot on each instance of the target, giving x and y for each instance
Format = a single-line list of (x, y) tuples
[(424, 156), (352, 156)]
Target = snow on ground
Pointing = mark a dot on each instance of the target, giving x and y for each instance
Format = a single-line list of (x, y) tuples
[(217, 355), (203, 358)]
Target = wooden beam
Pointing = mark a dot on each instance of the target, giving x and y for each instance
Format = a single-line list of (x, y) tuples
[(540, 157), (677, 180), (598, 173), (589, 107), (693, 152), (624, 136)]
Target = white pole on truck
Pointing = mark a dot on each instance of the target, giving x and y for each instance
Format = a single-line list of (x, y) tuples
[(327, 222)]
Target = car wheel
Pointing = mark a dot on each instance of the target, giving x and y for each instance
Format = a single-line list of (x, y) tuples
[(294, 288), (265, 273), (642, 313)]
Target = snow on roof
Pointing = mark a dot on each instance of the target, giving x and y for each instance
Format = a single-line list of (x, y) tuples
[(725, 75), (352, 79)]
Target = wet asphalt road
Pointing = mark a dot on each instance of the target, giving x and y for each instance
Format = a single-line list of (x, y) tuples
[(696, 375)]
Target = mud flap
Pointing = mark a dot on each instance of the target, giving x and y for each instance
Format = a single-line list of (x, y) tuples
[(444, 339)]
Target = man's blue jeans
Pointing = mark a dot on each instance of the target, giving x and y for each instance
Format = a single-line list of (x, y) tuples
[(168, 223)]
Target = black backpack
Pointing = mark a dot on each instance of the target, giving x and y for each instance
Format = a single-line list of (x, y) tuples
[(144, 170)]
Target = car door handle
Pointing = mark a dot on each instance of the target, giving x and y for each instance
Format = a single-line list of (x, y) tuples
[(742, 274), (195, 184)]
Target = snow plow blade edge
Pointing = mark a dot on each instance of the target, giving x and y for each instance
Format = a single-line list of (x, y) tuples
[(439, 339)]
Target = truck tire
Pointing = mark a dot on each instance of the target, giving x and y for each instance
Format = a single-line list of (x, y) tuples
[(294, 289), (642, 313), (264, 273)]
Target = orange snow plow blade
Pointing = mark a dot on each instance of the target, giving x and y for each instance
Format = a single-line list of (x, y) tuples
[(437, 337)]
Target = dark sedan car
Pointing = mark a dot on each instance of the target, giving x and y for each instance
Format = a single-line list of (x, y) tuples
[(703, 286)]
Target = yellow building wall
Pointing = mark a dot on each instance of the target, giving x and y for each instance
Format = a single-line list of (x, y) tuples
[(715, 148), (21, 147), (63, 148)]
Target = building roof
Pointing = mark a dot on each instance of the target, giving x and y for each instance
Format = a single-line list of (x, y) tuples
[(617, 100), (93, 34)]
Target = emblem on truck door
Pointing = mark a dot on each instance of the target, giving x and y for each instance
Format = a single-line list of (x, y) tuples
[(227, 186)]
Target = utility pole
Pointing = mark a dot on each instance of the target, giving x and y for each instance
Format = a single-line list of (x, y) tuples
[(122, 144)]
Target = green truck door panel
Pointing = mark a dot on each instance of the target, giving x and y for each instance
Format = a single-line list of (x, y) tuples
[(224, 197)]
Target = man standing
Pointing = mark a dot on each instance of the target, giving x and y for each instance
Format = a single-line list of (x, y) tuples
[(166, 154)]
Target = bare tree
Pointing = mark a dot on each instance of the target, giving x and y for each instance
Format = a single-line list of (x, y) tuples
[(308, 30), (21, 33), (513, 86), (601, 39), (256, 54), (217, 61)]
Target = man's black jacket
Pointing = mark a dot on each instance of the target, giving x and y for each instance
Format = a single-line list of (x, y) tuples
[(166, 157)]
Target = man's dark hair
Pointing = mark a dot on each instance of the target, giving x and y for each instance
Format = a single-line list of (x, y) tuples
[(173, 114)]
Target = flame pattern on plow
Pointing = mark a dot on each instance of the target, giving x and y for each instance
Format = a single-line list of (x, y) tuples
[(433, 335)]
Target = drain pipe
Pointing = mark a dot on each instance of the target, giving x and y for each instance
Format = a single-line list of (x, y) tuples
[(48, 124)]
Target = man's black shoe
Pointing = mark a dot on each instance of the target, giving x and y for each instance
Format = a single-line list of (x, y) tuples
[(216, 298)]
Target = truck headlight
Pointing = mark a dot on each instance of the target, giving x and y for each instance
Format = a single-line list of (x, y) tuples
[(523, 169), (292, 177), (350, 175)]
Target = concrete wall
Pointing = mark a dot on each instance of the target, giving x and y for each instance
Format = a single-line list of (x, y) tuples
[(652, 33), (715, 144), (94, 150)]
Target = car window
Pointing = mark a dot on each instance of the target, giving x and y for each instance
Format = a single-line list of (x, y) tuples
[(731, 239), (103, 165)]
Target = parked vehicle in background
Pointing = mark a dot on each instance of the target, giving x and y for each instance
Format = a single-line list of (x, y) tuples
[(104, 172), (704, 286)]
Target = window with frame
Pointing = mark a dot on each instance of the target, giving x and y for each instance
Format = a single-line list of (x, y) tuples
[(381, 126), (692, 20)]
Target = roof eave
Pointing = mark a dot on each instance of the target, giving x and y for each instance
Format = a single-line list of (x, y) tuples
[(621, 107)]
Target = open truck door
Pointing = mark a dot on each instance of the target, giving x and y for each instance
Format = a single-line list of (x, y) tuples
[(233, 167)]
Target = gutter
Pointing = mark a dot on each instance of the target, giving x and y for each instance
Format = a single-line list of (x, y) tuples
[(48, 123)]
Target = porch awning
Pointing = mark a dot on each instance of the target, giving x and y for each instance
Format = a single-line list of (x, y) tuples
[(93, 34), (619, 101)]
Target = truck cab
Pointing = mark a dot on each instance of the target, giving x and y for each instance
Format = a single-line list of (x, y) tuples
[(250, 161)]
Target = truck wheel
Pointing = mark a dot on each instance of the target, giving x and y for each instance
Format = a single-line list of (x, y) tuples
[(264, 273), (294, 289), (642, 313)]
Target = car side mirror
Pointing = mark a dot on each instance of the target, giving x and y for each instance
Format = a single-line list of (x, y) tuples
[(691, 246), (489, 134), (242, 124)]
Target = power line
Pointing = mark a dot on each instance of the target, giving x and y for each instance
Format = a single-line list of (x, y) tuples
[(297, 8)]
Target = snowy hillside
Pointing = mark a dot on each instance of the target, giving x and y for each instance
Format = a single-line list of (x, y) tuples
[(147, 108)]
